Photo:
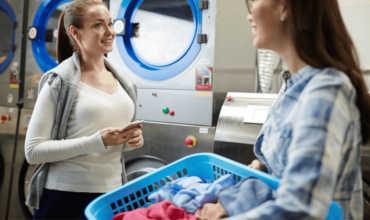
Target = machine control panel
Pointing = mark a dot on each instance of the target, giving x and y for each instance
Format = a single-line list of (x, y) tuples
[(173, 106)]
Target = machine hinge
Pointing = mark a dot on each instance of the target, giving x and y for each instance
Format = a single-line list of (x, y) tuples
[(202, 38), (13, 47), (203, 4), (15, 24)]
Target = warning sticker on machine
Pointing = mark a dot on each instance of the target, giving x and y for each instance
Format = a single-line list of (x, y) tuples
[(13, 74), (203, 80), (203, 130)]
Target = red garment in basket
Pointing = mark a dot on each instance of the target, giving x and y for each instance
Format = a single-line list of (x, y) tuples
[(164, 210)]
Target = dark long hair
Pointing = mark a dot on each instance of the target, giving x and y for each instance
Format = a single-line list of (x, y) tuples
[(72, 15), (322, 40)]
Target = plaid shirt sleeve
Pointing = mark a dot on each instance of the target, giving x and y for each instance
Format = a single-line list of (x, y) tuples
[(308, 181)]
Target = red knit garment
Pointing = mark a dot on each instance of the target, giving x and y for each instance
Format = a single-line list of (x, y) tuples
[(164, 210)]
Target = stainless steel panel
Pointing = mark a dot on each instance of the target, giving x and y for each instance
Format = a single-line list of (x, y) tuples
[(10, 126), (30, 95), (9, 95), (242, 153), (231, 126), (6, 154), (167, 141), (17, 208), (190, 107), (7, 138)]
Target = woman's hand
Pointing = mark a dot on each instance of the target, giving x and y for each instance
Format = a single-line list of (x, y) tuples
[(211, 211), (256, 164), (136, 138), (115, 136)]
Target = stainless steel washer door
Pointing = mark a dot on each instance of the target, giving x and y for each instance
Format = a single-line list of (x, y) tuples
[(142, 165)]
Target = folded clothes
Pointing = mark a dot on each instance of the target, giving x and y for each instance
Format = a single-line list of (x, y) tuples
[(191, 193), (244, 196), (164, 211)]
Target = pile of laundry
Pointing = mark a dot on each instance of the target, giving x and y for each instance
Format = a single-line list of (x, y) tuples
[(195, 198)]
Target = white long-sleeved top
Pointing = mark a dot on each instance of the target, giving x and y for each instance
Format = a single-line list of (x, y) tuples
[(81, 163)]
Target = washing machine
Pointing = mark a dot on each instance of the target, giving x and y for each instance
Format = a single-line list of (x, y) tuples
[(40, 55), (11, 20), (170, 48), (11, 17), (42, 27)]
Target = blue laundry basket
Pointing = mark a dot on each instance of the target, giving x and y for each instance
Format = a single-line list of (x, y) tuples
[(134, 194)]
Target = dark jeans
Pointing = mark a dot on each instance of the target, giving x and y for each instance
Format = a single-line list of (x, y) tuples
[(63, 205)]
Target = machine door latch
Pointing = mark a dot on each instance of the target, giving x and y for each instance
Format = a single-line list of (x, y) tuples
[(32, 33), (202, 38), (119, 26), (15, 24), (14, 48), (203, 4)]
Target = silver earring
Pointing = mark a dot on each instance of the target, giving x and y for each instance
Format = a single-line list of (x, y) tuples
[(282, 18)]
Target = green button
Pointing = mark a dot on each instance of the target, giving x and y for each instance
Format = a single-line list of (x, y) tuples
[(165, 110)]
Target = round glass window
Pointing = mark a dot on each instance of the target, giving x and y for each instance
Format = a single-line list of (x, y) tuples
[(5, 36), (163, 30), (51, 31)]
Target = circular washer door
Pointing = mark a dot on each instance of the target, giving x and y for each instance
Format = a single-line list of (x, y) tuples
[(160, 39), (7, 19), (142, 165), (46, 22)]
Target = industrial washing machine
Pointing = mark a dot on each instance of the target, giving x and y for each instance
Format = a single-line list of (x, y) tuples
[(11, 20), (184, 55), (40, 54)]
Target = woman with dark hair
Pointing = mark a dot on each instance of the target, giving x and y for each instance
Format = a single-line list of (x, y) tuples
[(76, 127), (313, 133), (314, 130)]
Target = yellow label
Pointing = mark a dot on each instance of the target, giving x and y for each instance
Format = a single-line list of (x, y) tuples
[(15, 86), (205, 94)]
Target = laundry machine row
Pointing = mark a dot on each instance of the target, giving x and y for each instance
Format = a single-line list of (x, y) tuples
[(12, 43)]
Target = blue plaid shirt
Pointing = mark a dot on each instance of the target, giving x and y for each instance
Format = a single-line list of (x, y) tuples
[(311, 140)]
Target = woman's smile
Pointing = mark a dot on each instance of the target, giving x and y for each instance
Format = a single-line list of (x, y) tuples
[(254, 30), (109, 41)]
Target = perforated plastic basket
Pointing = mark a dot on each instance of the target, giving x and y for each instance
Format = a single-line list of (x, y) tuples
[(134, 194)]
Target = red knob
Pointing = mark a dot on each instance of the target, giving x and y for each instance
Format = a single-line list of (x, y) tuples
[(171, 112), (188, 141), (4, 117), (229, 98)]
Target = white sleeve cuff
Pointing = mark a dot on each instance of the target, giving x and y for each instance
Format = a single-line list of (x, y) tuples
[(94, 143), (126, 147)]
